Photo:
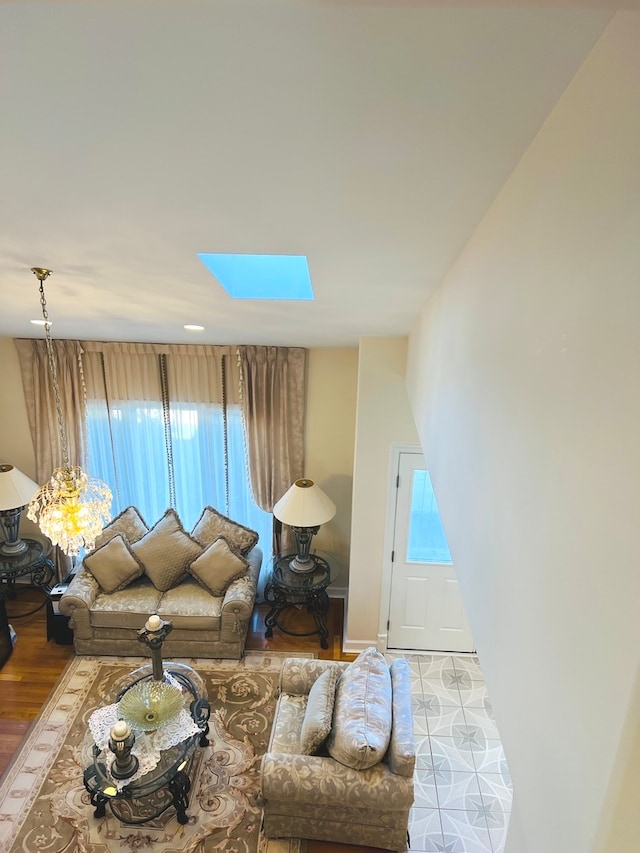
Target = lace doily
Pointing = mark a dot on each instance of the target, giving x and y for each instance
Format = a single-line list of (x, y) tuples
[(147, 746)]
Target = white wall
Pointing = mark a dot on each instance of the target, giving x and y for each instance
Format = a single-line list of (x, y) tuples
[(523, 376), (383, 417)]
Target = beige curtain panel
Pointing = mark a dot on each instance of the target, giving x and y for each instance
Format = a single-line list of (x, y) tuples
[(273, 403), (41, 410), (125, 371), (41, 403)]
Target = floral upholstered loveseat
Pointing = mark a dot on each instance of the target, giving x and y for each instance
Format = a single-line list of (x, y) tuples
[(203, 582), (339, 766)]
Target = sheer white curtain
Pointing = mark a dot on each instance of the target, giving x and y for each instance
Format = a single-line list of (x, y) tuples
[(165, 429)]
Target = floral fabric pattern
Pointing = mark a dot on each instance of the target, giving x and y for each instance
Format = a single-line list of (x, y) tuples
[(317, 797), (298, 676), (362, 720), (319, 714), (130, 523), (213, 524), (204, 625)]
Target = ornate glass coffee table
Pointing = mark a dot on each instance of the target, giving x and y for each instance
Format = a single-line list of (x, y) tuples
[(146, 795)]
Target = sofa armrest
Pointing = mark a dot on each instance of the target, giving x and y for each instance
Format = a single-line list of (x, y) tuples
[(81, 592), (298, 675), (401, 754), (77, 601), (314, 778), (237, 605)]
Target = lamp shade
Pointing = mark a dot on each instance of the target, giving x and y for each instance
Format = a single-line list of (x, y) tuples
[(304, 504), (16, 489)]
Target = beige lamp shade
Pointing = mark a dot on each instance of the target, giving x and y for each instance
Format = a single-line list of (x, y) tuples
[(16, 489), (304, 504)]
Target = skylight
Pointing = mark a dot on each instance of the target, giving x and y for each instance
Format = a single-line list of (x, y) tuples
[(261, 276)]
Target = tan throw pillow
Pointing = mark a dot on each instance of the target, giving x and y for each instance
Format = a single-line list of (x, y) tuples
[(217, 566), (212, 524), (130, 523), (317, 718), (114, 565), (362, 715), (166, 551)]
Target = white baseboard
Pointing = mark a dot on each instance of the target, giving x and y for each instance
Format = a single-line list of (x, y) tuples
[(349, 647), (354, 647), (337, 592)]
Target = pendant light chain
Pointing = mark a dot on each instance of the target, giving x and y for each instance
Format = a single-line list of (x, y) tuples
[(72, 508), (54, 373)]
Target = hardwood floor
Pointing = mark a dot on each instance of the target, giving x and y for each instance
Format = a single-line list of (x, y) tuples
[(28, 676)]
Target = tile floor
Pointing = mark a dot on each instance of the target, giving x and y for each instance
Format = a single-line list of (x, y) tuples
[(462, 783)]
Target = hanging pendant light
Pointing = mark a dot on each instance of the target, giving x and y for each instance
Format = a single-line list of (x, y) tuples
[(72, 508)]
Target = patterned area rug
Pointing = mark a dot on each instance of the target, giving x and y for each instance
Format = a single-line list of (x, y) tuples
[(44, 805)]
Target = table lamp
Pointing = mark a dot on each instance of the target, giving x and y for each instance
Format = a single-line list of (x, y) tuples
[(16, 490), (304, 507)]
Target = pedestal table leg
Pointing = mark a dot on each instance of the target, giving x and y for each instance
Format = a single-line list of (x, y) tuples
[(318, 606), (278, 602), (99, 801), (180, 786)]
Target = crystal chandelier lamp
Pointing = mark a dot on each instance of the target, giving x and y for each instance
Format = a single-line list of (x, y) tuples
[(72, 508)]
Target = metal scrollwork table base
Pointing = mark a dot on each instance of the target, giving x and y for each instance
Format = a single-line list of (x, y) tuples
[(33, 562), (287, 588)]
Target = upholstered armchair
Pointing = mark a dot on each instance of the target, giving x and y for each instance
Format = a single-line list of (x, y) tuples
[(363, 717)]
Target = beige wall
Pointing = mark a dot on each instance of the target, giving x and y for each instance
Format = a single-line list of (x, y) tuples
[(383, 418), (522, 374), (16, 446), (332, 376)]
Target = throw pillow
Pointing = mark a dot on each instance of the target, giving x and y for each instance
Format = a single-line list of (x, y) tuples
[(218, 565), (114, 565), (130, 523), (317, 718), (362, 716), (212, 524), (166, 551)]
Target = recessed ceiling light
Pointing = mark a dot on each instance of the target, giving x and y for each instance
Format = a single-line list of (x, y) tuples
[(41, 322), (193, 328), (261, 276)]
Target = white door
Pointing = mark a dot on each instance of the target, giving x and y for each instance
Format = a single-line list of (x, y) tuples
[(425, 609)]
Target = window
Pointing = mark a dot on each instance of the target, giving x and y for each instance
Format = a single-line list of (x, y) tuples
[(147, 463), (427, 542)]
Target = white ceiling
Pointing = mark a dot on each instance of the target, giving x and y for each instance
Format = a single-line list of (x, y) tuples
[(371, 137)]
